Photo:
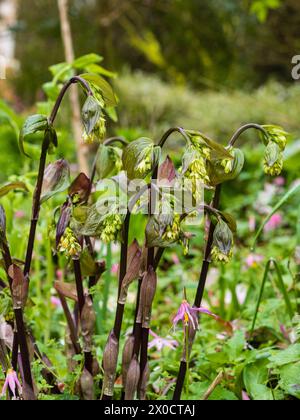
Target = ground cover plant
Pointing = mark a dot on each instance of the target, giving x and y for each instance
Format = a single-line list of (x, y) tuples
[(77, 326)]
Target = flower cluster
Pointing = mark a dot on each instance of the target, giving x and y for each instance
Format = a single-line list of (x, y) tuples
[(97, 134), (222, 243), (276, 141), (111, 227), (69, 244)]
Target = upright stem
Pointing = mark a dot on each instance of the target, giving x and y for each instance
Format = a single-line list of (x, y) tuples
[(123, 270)]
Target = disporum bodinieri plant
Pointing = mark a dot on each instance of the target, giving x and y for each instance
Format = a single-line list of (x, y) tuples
[(99, 206)]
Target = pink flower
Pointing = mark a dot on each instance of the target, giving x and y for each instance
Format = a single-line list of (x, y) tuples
[(175, 259), (188, 314), (253, 260), (115, 269), (11, 382), (55, 302), (19, 214), (245, 396), (279, 181), (275, 221), (59, 274), (161, 343)]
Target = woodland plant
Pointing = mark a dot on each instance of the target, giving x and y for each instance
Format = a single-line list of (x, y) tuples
[(93, 214)]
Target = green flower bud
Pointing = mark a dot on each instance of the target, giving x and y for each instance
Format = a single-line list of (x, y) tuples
[(277, 135), (111, 227), (222, 243), (222, 170), (273, 162), (98, 132)]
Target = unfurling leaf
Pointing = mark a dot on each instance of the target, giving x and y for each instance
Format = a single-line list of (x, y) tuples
[(133, 270), (19, 286), (98, 83), (88, 321), (110, 361), (167, 171), (87, 386), (127, 357), (148, 290), (140, 158), (56, 179), (132, 380), (91, 112), (80, 189), (67, 290), (108, 160), (227, 169), (32, 125), (63, 222)]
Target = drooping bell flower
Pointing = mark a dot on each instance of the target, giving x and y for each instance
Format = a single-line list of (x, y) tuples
[(222, 243), (12, 383)]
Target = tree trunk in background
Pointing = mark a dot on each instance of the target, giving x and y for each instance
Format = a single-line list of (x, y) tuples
[(8, 18), (82, 150)]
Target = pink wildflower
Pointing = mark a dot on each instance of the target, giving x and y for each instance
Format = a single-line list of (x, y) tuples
[(245, 396), (175, 259), (161, 343), (19, 214), (275, 221), (55, 302), (11, 382), (115, 269), (279, 181), (188, 314), (252, 223), (253, 260)]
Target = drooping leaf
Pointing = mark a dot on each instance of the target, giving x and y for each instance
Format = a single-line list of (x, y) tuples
[(91, 113), (11, 187), (67, 290), (105, 88), (32, 125)]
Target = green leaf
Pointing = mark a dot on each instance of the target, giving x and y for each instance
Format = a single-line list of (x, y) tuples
[(284, 357), (61, 72), (106, 160), (235, 346), (222, 394), (32, 125), (255, 377), (107, 91), (12, 186), (290, 379), (95, 68), (81, 63)]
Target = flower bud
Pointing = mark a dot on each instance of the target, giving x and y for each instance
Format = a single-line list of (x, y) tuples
[(226, 169), (19, 286), (276, 135), (222, 243), (133, 270), (56, 179), (273, 162), (91, 113), (88, 321), (110, 361), (132, 380), (87, 386), (148, 290), (127, 357)]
